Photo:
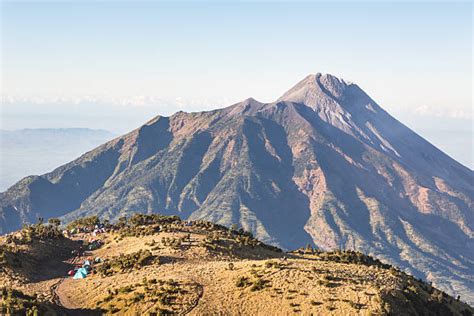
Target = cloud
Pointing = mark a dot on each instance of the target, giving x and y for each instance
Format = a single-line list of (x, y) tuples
[(200, 104), (125, 101), (456, 113)]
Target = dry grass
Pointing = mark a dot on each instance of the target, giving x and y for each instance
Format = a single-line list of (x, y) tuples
[(190, 276)]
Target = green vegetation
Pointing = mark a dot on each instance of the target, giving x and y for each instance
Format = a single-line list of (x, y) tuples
[(174, 243), (273, 264), (54, 221), (127, 262), (149, 219), (222, 239), (85, 222), (14, 302), (242, 282), (39, 231), (350, 256), (9, 257), (218, 237), (146, 224), (420, 298), (259, 284), (256, 285), (165, 296)]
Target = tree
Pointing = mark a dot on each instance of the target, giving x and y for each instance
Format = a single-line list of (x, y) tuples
[(54, 221)]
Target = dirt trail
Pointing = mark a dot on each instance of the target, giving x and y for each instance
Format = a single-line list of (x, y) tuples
[(56, 293), (63, 300), (196, 302)]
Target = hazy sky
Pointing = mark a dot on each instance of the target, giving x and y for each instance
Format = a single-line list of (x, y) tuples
[(114, 64)]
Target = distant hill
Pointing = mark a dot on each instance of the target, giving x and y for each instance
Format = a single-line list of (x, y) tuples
[(324, 165), (161, 265), (36, 151)]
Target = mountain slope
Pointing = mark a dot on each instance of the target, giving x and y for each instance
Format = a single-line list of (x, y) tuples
[(38, 150), (323, 165)]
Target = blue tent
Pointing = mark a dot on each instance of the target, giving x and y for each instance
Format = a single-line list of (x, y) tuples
[(80, 274)]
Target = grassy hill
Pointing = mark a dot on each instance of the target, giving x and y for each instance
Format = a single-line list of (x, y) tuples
[(152, 265)]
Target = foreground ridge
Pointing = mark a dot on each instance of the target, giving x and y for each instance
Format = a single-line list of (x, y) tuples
[(153, 264)]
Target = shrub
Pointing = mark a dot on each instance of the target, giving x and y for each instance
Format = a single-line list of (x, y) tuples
[(242, 282), (84, 222), (125, 289), (38, 232), (54, 221), (351, 256), (258, 284), (14, 302), (125, 262), (273, 264)]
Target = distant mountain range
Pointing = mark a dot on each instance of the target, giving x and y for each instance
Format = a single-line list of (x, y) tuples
[(36, 151), (323, 165)]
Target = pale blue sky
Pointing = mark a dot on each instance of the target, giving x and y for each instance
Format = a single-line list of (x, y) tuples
[(413, 58)]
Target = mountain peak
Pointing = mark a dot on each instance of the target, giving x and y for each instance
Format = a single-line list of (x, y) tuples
[(315, 88)]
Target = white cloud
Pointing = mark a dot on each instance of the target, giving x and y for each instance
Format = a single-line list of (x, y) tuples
[(457, 113), (179, 103)]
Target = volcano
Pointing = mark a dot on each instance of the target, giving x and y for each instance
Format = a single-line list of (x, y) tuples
[(323, 165)]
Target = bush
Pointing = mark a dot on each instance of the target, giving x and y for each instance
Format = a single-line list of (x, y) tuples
[(85, 222), (350, 256), (14, 302), (162, 294), (127, 262), (259, 284), (149, 219), (38, 232), (174, 243), (54, 221), (125, 289), (273, 264), (242, 282)]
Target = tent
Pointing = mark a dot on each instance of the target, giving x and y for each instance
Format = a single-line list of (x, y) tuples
[(80, 274)]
